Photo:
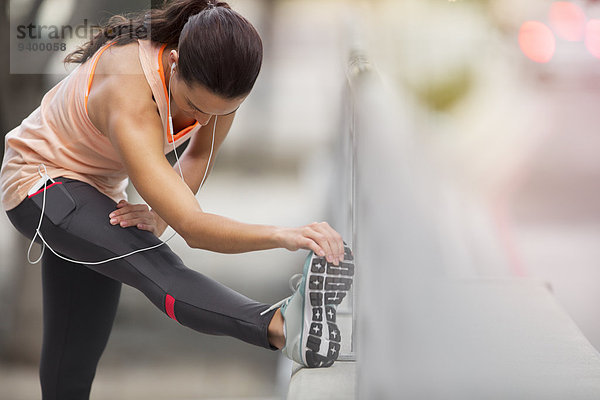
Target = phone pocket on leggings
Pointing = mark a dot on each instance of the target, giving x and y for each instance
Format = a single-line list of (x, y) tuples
[(59, 203)]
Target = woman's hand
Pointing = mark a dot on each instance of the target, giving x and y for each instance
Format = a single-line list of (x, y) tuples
[(138, 215), (318, 237)]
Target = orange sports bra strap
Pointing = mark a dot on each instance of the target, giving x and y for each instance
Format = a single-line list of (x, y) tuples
[(91, 76), (170, 137)]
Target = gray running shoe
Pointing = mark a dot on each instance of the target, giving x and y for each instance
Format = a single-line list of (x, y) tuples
[(312, 336)]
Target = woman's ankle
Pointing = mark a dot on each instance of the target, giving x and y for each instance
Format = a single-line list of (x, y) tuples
[(275, 330)]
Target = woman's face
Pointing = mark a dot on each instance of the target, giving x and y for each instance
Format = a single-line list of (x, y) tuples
[(198, 102)]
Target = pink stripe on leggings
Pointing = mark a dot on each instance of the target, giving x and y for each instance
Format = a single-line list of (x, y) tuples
[(170, 306)]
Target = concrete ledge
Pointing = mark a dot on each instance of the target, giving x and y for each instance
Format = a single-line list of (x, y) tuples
[(335, 382), (493, 339), (473, 339)]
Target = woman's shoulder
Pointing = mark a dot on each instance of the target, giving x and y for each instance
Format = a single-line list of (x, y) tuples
[(118, 80), (120, 59), (119, 69)]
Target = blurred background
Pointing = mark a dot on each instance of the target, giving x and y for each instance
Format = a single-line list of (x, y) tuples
[(493, 100)]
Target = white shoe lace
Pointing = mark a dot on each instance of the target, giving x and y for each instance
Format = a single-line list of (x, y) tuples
[(293, 287)]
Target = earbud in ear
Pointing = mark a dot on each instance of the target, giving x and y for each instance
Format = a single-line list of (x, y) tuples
[(173, 67)]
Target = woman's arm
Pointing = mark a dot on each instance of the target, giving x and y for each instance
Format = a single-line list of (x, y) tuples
[(137, 135), (135, 130), (195, 157), (193, 164)]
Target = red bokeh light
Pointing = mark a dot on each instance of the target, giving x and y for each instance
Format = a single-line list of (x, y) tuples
[(537, 41), (592, 37), (567, 20)]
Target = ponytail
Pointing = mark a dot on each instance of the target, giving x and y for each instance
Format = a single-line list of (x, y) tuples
[(217, 47)]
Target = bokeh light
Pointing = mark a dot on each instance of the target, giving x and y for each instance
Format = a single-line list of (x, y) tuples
[(592, 37), (567, 20), (537, 41)]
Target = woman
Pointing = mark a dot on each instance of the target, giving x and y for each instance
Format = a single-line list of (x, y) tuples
[(141, 88)]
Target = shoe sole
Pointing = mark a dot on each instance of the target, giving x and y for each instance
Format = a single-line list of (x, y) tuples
[(326, 287)]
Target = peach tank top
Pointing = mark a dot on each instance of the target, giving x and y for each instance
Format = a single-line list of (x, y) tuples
[(60, 135)]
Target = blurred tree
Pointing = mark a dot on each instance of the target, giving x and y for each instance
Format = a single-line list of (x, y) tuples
[(445, 92)]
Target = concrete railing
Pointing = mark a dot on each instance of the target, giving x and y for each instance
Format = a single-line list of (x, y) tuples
[(421, 334)]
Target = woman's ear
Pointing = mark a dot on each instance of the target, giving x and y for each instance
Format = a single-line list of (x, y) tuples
[(173, 57)]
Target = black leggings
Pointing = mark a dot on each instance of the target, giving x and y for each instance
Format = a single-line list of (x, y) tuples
[(80, 301)]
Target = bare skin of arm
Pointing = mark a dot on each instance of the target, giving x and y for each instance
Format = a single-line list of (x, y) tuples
[(195, 157), (193, 163), (121, 107)]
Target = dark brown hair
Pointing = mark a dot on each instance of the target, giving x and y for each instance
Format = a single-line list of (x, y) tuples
[(218, 48)]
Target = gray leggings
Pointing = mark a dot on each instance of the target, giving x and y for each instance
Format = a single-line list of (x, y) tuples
[(80, 301)]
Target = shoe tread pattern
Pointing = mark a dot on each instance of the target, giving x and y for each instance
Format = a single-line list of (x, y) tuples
[(327, 286)]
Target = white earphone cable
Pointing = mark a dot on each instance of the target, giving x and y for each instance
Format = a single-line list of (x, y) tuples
[(173, 139), (171, 124)]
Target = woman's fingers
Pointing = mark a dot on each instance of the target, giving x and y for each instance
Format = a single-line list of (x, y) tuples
[(311, 233), (138, 215), (123, 207), (136, 221), (321, 238), (145, 227), (335, 241), (328, 240), (131, 218), (312, 245), (131, 215)]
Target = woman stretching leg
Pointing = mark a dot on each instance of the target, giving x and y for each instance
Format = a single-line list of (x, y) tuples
[(142, 88)]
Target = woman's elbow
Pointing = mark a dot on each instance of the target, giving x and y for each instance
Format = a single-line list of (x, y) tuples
[(186, 230), (192, 242)]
